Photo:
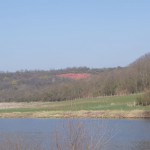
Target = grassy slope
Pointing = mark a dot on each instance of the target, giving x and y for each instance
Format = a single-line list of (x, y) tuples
[(56, 109)]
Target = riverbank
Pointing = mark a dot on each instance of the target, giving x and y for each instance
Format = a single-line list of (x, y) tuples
[(79, 114), (102, 107)]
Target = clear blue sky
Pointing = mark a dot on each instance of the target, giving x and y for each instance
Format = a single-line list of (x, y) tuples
[(53, 34)]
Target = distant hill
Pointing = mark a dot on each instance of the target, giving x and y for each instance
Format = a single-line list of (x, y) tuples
[(142, 61), (77, 82)]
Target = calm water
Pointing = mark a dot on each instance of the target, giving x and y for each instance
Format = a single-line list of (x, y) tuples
[(113, 134)]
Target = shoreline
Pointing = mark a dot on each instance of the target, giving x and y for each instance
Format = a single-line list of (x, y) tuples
[(83, 114)]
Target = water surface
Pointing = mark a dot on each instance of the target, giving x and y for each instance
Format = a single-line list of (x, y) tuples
[(113, 134)]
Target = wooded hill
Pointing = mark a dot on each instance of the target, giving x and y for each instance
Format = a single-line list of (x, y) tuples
[(72, 83)]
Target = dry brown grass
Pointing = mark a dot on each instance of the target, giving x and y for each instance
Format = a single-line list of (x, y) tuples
[(23, 105), (78, 114)]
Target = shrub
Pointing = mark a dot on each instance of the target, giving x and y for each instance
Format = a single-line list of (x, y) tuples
[(144, 99), (78, 137)]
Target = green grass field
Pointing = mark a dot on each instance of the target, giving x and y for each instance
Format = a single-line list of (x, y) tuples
[(124, 103), (102, 107)]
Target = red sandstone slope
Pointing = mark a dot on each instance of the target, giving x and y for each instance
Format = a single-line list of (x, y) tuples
[(75, 76)]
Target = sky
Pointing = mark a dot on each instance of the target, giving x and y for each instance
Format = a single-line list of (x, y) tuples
[(56, 34)]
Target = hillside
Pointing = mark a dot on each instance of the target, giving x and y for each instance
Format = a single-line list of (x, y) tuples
[(72, 83)]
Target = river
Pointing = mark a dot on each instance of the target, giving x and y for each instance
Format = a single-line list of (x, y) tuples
[(104, 134)]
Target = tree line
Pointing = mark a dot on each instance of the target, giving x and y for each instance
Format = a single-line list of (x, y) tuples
[(47, 86)]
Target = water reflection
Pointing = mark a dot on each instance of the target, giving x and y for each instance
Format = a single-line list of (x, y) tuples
[(141, 145), (40, 134)]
